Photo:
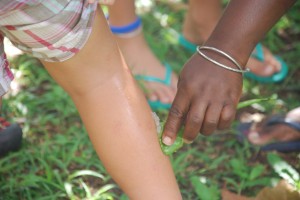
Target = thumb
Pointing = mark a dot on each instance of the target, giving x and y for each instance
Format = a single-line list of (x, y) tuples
[(175, 119)]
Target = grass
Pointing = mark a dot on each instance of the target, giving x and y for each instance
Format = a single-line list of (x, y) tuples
[(57, 160)]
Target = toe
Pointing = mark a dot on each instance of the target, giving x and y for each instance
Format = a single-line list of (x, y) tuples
[(268, 67), (165, 95)]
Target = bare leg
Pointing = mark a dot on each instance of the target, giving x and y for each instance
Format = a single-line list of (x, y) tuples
[(201, 19), (138, 55), (116, 116)]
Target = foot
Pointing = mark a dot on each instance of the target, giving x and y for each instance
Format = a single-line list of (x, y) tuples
[(141, 60), (268, 67), (197, 31), (261, 134)]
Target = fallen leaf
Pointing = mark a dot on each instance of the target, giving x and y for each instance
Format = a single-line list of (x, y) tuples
[(282, 191)]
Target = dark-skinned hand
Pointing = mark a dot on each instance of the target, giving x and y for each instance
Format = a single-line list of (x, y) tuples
[(206, 100)]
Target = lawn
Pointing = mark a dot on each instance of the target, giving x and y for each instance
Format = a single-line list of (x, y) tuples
[(57, 160)]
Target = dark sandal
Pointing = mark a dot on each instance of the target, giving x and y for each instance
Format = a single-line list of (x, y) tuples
[(10, 137), (243, 130)]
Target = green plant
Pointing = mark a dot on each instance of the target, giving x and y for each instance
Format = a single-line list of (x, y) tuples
[(247, 176), (203, 191), (284, 170), (75, 181)]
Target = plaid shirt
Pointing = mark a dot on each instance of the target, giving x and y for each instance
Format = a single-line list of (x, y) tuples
[(52, 30)]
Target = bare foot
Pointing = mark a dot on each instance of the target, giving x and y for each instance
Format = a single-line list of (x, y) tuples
[(142, 61), (262, 134), (269, 67)]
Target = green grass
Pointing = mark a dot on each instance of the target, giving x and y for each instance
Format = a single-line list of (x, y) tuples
[(57, 160)]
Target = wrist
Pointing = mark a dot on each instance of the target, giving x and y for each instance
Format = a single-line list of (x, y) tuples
[(238, 50), (237, 67)]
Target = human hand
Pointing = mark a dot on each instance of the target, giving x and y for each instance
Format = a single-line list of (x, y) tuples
[(206, 100)]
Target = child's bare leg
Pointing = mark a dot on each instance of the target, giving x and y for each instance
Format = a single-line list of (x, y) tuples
[(116, 116), (138, 55), (201, 19)]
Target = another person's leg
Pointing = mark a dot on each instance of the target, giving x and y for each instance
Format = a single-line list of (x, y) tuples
[(138, 55), (116, 116), (201, 19)]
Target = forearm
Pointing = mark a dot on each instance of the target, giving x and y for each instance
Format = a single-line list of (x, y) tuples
[(244, 23), (202, 104)]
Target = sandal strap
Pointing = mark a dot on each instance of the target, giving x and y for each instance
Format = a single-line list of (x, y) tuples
[(187, 44), (166, 80), (282, 120), (258, 52)]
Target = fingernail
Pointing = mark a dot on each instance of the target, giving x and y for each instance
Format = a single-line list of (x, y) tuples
[(187, 141), (268, 70), (167, 140)]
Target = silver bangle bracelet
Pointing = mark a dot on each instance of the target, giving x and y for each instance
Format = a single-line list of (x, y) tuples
[(240, 68)]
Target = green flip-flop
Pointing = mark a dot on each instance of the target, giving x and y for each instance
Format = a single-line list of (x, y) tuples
[(187, 44), (156, 105), (128, 31), (258, 54)]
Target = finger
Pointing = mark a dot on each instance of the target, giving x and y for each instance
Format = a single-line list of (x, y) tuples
[(227, 116), (194, 121), (211, 119), (175, 118)]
